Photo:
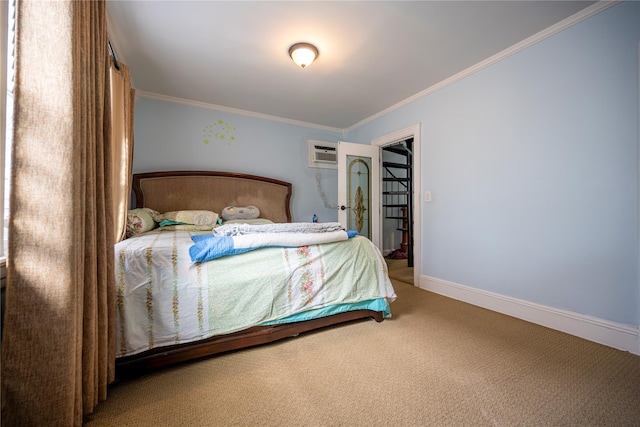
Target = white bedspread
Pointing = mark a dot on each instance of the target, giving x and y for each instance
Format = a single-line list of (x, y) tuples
[(238, 229)]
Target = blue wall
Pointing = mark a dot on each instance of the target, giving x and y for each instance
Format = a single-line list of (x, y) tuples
[(173, 136), (533, 167), (532, 163)]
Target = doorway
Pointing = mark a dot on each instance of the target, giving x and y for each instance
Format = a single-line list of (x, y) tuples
[(397, 208), (400, 203), (397, 200)]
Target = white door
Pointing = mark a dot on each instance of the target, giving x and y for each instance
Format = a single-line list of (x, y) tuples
[(359, 189)]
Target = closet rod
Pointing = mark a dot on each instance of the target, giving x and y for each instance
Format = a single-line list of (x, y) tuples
[(113, 55)]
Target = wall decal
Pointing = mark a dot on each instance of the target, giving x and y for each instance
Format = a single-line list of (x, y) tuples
[(219, 130)]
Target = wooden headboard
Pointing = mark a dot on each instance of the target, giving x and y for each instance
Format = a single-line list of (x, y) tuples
[(211, 190)]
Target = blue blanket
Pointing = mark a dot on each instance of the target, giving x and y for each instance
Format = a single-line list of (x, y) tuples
[(207, 247)]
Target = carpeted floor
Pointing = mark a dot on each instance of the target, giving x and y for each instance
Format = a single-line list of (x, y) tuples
[(437, 362), (399, 270)]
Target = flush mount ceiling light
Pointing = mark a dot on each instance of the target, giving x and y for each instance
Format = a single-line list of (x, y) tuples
[(303, 54)]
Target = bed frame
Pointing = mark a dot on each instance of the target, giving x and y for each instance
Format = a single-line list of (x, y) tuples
[(209, 190)]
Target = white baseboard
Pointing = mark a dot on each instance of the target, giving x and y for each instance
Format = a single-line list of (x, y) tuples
[(612, 334)]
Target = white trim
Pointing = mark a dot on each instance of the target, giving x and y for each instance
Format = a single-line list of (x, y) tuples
[(208, 106), (414, 132), (638, 184), (612, 334), (529, 41)]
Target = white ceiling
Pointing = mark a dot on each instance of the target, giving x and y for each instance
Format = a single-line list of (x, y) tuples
[(373, 54)]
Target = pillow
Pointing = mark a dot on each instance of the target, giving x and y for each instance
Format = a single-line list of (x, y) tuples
[(140, 220), (240, 212), (186, 227), (190, 217)]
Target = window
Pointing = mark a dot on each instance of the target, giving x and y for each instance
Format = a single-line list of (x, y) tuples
[(7, 49)]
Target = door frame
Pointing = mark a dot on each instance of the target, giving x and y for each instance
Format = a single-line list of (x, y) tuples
[(392, 138)]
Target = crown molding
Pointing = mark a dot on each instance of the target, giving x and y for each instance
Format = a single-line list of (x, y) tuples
[(166, 98), (586, 13)]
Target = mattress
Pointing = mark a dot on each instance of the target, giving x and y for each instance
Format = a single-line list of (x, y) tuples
[(163, 298)]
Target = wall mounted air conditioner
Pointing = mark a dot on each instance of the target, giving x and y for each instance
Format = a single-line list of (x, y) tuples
[(323, 154)]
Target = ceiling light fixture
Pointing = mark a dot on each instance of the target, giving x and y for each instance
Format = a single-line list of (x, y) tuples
[(303, 54)]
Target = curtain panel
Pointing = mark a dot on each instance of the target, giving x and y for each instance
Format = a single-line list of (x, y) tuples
[(122, 106), (58, 351)]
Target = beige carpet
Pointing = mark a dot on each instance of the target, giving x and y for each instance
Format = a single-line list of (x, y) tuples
[(399, 270), (438, 362)]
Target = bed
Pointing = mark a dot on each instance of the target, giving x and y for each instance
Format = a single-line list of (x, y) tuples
[(172, 307)]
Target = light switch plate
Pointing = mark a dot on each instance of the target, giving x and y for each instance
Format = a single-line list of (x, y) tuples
[(427, 196)]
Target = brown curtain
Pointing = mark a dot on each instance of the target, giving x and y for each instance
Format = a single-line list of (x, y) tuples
[(58, 350), (122, 97)]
